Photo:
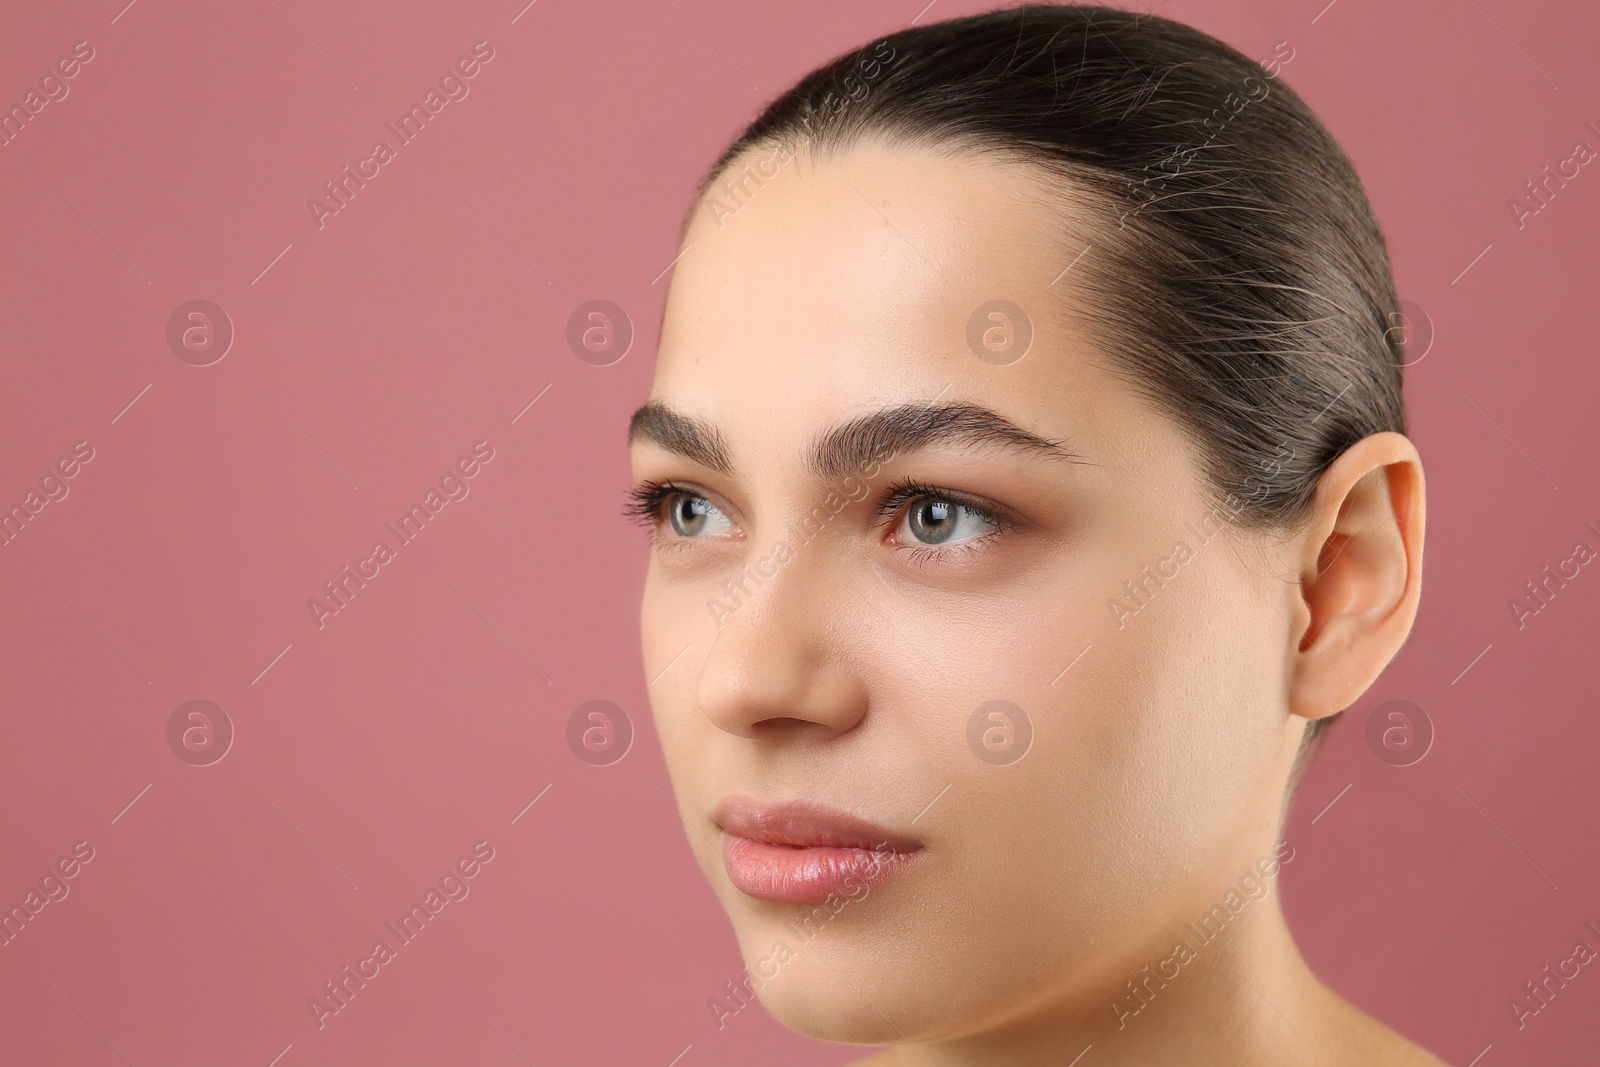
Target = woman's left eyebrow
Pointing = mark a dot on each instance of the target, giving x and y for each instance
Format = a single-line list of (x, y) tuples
[(872, 439)]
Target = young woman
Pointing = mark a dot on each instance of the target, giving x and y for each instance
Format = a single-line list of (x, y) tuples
[(1028, 487)]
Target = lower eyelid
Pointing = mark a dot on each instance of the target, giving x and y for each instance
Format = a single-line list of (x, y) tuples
[(920, 554)]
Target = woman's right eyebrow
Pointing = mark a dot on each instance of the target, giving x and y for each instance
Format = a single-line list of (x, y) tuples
[(691, 437), (865, 441)]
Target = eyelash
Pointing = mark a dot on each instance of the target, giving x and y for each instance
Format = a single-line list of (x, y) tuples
[(647, 498), (906, 491)]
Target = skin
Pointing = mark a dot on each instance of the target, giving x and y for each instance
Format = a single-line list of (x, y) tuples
[(1159, 761)]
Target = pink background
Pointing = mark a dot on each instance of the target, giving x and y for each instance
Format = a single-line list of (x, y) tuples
[(370, 354)]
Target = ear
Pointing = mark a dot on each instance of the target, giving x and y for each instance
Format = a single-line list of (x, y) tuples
[(1360, 571)]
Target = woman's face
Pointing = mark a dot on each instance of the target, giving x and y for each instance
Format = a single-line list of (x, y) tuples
[(870, 534)]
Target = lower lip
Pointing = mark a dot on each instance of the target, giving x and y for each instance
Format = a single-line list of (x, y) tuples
[(789, 874)]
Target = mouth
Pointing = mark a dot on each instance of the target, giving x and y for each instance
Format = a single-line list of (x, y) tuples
[(798, 852)]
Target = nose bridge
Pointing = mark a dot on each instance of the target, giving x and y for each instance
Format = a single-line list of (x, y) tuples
[(777, 653)]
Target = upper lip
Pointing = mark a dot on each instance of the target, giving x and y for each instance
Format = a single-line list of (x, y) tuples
[(804, 823)]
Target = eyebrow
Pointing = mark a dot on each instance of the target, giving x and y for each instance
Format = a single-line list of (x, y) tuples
[(854, 445)]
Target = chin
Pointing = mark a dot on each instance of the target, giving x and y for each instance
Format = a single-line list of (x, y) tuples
[(823, 996), (860, 980)]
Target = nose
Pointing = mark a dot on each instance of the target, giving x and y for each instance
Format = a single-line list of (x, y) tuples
[(781, 662)]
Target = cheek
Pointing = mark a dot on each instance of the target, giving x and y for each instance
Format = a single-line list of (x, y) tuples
[(672, 614), (676, 633), (1178, 725), (1040, 801), (1146, 758), (685, 734)]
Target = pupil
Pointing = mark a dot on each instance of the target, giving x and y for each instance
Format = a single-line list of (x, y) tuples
[(939, 528), (688, 515)]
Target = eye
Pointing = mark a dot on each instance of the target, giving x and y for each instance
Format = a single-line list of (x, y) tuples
[(938, 521), (689, 514), (695, 516)]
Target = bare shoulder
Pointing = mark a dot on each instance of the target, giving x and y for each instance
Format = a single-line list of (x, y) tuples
[(1389, 1049), (1369, 1041)]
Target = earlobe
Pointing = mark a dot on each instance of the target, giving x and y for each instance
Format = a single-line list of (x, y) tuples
[(1360, 570)]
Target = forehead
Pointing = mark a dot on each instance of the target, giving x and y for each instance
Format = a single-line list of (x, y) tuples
[(833, 291), (865, 260), (811, 296)]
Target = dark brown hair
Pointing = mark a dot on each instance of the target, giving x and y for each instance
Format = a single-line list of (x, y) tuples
[(1235, 273)]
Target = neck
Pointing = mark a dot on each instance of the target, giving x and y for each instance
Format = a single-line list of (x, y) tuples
[(1231, 994)]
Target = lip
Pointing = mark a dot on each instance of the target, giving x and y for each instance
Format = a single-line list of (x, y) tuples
[(800, 852)]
